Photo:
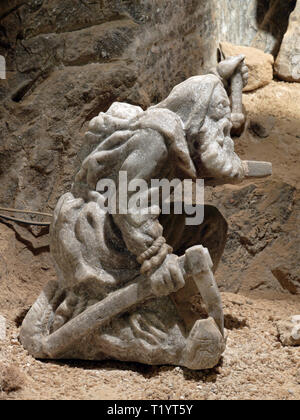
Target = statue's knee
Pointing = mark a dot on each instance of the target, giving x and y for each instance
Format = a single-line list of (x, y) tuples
[(204, 346)]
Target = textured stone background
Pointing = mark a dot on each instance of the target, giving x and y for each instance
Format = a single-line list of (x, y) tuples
[(256, 23), (68, 60)]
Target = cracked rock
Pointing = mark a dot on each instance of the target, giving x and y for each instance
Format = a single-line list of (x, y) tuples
[(289, 331), (287, 66)]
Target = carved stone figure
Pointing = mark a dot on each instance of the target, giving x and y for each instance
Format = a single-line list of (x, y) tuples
[(126, 279)]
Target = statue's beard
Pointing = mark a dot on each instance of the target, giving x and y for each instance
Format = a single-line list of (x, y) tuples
[(216, 154)]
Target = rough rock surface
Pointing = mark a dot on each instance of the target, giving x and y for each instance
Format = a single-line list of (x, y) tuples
[(66, 62), (11, 378), (256, 23), (255, 365), (273, 24), (259, 63), (25, 263), (289, 331), (42, 128), (2, 328), (287, 64), (263, 249)]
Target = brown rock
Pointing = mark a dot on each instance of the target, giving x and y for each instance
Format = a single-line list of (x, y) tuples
[(263, 249), (2, 328), (260, 64), (289, 331), (256, 245), (287, 66), (11, 378), (8, 6)]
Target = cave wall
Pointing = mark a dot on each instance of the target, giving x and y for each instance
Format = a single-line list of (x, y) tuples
[(66, 62), (256, 23)]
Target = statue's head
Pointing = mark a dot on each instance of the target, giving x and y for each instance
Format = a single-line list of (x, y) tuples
[(203, 106)]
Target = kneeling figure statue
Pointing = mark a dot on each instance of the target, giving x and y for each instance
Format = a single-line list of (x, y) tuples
[(126, 278)]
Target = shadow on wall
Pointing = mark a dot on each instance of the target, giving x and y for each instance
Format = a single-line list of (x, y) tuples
[(272, 17)]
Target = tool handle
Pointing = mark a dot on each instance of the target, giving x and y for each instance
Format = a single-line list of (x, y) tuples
[(257, 169)]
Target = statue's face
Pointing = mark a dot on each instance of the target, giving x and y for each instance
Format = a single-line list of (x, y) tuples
[(212, 145)]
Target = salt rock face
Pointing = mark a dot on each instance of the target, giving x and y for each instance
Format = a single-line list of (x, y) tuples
[(289, 331), (76, 58), (2, 328), (273, 25), (263, 247), (259, 63), (287, 66), (259, 24)]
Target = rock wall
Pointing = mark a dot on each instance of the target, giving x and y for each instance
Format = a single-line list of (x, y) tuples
[(256, 23), (287, 65), (66, 62), (263, 248)]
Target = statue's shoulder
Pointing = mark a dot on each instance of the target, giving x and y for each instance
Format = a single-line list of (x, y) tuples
[(123, 119), (162, 120), (171, 128), (123, 116)]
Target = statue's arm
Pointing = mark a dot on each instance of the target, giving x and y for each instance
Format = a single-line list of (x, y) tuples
[(142, 233), (145, 161), (233, 73)]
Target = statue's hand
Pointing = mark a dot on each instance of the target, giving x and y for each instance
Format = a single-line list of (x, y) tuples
[(168, 278), (228, 67), (245, 74)]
